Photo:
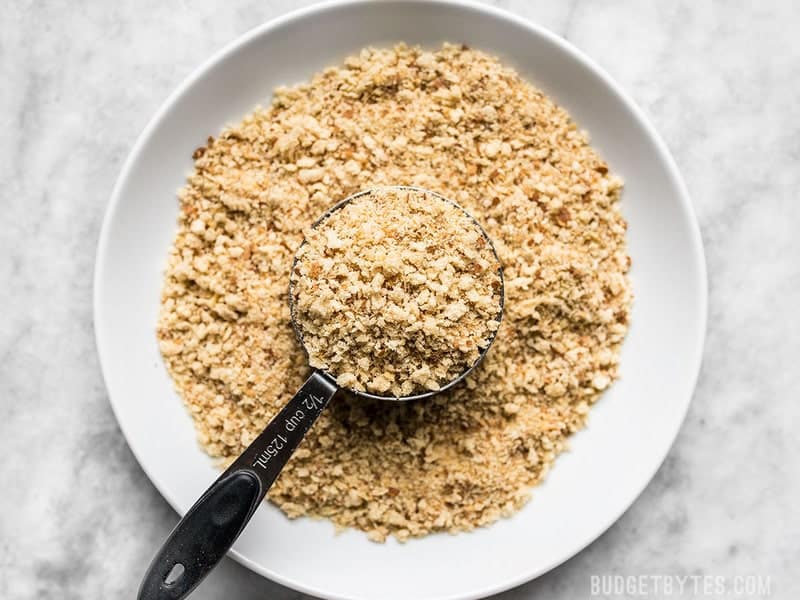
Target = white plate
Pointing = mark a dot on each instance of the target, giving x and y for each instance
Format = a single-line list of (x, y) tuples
[(630, 430)]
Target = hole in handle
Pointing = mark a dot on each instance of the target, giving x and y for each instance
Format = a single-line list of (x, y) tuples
[(174, 575)]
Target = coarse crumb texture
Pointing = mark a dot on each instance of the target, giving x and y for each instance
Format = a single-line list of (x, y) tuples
[(396, 293), (454, 121)]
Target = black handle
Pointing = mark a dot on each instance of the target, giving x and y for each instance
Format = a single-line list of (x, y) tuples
[(211, 526), (202, 537)]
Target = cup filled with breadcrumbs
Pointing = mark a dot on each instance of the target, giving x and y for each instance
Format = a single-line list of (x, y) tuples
[(479, 268)]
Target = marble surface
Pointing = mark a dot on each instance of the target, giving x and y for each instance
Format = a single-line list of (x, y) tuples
[(78, 517)]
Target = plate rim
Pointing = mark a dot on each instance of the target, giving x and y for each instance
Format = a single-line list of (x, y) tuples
[(672, 171)]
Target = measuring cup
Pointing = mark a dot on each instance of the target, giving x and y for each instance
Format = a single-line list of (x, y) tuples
[(210, 527)]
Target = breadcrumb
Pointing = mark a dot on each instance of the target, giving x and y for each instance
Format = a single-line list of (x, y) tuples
[(455, 121), (397, 292)]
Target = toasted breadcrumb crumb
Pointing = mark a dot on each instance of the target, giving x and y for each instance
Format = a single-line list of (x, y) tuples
[(397, 292), (455, 121)]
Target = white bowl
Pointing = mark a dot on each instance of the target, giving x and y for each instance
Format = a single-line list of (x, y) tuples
[(630, 430)]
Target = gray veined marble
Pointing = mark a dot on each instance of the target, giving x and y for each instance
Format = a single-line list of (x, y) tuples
[(80, 80)]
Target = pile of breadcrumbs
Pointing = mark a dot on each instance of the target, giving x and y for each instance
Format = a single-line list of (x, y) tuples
[(457, 122), (396, 292)]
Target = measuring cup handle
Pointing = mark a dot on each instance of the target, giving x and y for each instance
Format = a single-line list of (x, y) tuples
[(209, 529), (202, 537)]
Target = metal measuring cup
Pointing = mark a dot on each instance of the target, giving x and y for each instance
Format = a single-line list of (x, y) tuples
[(210, 527)]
